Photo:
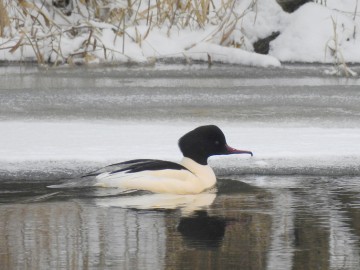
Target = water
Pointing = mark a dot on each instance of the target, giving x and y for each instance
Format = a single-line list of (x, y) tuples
[(294, 205), (292, 222), (237, 94)]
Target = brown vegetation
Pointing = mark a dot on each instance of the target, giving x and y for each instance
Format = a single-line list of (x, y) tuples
[(4, 19)]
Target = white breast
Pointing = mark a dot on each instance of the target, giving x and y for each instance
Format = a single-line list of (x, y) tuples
[(192, 181)]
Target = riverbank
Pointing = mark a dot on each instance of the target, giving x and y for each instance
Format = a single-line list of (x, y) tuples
[(211, 32)]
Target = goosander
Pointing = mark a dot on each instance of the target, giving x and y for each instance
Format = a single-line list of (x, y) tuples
[(192, 175)]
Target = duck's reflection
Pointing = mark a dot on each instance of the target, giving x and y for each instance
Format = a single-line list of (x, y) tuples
[(196, 226), (187, 204), (202, 231)]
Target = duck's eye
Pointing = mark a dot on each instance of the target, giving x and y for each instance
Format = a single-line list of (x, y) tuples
[(217, 142)]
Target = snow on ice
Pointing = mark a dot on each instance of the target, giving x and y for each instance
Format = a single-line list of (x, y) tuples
[(299, 150)]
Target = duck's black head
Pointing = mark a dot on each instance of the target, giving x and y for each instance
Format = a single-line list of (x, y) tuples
[(205, 141)]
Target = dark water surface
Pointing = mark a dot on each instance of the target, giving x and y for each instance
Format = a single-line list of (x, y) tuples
[(242, 94), (283, 222), (282, 211)]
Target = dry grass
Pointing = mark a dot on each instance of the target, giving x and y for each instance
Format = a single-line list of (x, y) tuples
[(340, 66), (4, 19), (38, 31)]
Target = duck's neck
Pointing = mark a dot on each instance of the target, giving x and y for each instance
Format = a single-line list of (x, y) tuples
[(204, 173), (197, 157)]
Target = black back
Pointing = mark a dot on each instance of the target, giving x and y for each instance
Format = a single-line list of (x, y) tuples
[(138, 165), (149, 165)]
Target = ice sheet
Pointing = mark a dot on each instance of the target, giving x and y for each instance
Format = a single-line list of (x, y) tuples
[(40, 145)]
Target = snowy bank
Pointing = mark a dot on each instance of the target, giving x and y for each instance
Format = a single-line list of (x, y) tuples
[(320, 34), (209, 31)]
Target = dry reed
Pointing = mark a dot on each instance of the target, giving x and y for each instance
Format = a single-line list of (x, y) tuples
[(38, 31), (4, 19), (340, 66)]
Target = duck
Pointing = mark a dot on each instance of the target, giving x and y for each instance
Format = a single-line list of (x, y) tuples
[(192, 175)]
